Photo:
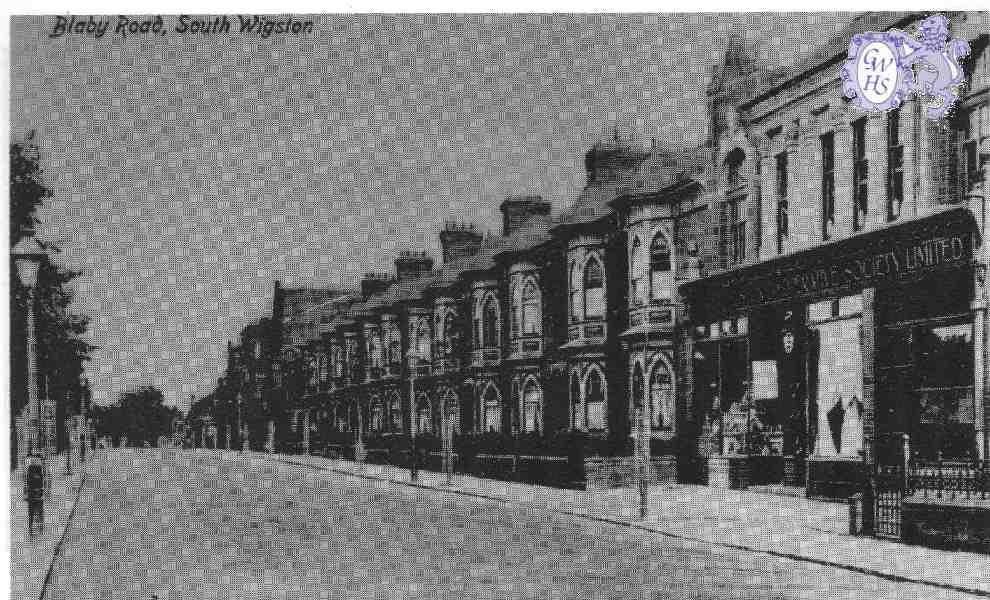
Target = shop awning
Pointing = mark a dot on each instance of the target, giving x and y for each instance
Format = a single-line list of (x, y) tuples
[(911, 250)]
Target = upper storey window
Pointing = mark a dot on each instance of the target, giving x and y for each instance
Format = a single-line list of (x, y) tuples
[(895, 165), (338, 362), (530, 309), (594, 290), (575, 289), (733, 166), (828, 184), (660, 270), (489, 323), (782, 206), (861, 170), (638, 269), (423, 341), (447, 334)]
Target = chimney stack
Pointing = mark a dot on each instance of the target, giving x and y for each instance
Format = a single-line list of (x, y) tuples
[(459, 240), (410, 264), (516, 210), (374, 283)]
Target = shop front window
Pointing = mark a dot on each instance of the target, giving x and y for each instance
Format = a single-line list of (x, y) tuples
[(839, 406), (946, 407)]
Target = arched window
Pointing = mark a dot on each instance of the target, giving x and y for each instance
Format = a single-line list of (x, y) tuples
[(323, 367), (733, 167), (452, 407), (660, 272), (395, 350), (661, 399), (594, 401), (637, 270), (448, 334), (637, 388), (338, 362), (532, 407), (373, 357), (423, 340), (424, 415), (594, 291), (313, 371), (575, 290), (395, 412), (576, 421), (516, 310), (531, 309), (490, 323), (377, 414), (492, 410)]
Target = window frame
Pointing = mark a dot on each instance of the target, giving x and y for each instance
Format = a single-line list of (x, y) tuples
[(589, 284), (782, 161), (895, 166), (530, 308), (827, 145), (860, 174)]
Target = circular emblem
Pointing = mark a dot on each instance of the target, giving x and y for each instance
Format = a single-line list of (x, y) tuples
[(874, 76)]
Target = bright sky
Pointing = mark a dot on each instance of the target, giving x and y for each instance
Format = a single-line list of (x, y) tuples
[(190, 172)]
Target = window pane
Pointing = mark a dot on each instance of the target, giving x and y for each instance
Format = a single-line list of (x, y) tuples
[(531, 318), (945, 355), (594, 302)]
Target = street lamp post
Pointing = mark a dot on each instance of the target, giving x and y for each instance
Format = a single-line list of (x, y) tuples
[(28, 255)]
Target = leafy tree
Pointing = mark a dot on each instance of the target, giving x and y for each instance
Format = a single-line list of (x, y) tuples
[(61, 351), (140, 415)]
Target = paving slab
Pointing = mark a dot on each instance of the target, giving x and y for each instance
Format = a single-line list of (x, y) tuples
[(31, 554)]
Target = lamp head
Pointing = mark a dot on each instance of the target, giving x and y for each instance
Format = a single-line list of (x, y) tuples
[(28, 255)]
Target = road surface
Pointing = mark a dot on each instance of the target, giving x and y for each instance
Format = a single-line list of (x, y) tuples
[(201, 524)]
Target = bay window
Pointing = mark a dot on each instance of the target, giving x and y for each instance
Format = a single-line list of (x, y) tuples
[(594, 290), (530, 309)]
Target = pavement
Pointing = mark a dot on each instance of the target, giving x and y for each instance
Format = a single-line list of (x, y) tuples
[(31, 554), (781, 526), (171, 524)]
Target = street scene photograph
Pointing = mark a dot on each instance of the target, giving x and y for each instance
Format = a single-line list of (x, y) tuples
[(499, 305)]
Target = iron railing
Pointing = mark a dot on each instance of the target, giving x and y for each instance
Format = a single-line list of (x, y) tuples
[(950, 480)]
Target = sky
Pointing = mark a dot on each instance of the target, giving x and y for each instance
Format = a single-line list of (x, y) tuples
[(190, 172)]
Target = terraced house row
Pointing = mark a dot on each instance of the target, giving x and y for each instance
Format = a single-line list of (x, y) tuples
[(779, 305)]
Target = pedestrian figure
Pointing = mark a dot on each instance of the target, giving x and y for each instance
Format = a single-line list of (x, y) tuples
[(34, 492)]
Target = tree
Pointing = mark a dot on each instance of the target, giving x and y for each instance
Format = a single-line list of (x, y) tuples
[(61, 350), (140, 415)]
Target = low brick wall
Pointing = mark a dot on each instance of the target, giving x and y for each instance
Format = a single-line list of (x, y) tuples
[(620, 471)]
